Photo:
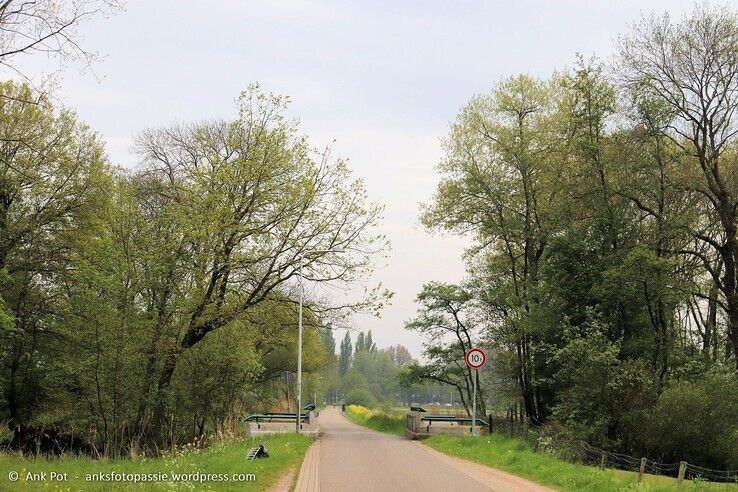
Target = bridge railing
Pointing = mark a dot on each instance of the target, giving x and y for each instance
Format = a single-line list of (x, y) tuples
[(420, 425), (274, 417), (453, 420), (282, 422)]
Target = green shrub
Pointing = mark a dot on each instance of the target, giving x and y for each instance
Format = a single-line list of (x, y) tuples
[(695, 421), (361, 396), (597, 390), (379, 420)]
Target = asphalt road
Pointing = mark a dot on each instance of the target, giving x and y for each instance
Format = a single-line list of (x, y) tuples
[(349, 457)]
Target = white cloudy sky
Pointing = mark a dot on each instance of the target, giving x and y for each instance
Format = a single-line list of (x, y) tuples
[(382, 78)]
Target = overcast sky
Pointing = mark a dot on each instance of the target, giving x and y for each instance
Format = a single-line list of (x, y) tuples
[(382, 78)]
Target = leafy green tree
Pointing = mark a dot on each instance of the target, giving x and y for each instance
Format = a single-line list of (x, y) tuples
[(499, 183), (328, 340), (448, 320), (602, 219), (364, 343), (360, 342), (246, 202), (345, 356), (658, 60), (400, 355), (694, 420), (361, 396), (212, 380), (271, 326), (143, 309), (598, 389), (370, 346), (52, 178)]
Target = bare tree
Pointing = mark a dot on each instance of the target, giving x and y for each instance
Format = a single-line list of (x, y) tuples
[(691, 68), (48, 27)]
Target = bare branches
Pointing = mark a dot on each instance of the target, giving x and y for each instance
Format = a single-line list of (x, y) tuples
[(691, 67), (252, 200), (48, 27)]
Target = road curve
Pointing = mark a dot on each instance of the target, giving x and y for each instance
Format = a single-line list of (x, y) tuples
[(349, 457)]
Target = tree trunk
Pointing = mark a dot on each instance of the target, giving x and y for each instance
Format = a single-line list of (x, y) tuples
[(733, 326), (729, 253), (711, 325), (159, 419), (11, 396)]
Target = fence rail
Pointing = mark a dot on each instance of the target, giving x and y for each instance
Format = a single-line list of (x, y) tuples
[(681, 471)]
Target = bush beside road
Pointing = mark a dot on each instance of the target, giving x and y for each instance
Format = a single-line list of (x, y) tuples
[(222, 461), (390, 422)]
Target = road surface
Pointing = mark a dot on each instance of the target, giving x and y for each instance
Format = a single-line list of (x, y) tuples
[(349, 457)]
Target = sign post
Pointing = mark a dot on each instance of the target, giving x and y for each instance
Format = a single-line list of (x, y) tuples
[(475, 359)]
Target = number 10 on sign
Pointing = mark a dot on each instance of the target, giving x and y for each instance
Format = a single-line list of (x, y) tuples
[(475, 358)]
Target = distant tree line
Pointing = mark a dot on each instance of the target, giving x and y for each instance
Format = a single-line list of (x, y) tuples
[(602, 278), (366, 375)]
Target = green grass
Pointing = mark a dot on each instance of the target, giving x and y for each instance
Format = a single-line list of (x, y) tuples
[(285, 450), (518, 458), (379, 420)]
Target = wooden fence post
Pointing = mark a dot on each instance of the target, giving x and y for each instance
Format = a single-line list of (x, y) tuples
[(642, 469), (682, 473), (602, 461)]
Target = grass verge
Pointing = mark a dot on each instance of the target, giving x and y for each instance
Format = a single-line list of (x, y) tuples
[(285, 451), (379, 420), (518, 458)]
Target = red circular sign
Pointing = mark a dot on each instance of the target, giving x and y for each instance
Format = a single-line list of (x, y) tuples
[(475, 358)]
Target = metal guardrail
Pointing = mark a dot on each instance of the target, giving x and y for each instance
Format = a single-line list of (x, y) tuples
[(274, 416), (279, 416)]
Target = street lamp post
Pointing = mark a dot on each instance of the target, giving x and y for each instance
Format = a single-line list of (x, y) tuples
[(299, 332)]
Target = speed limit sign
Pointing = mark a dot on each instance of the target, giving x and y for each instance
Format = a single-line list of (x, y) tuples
[(475, 358)]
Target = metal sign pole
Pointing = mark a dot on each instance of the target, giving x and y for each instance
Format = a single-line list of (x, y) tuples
[(474, 403), (475, 359), (299, 353)]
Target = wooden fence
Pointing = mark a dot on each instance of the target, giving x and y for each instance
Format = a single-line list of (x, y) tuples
[(680, 471)]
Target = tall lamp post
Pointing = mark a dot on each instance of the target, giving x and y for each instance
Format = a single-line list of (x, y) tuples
[(299, 330)]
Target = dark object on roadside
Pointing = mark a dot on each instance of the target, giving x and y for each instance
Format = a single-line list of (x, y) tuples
[(258, 452), (309, 407), (343, 407), (47, 441), (418, 409)]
